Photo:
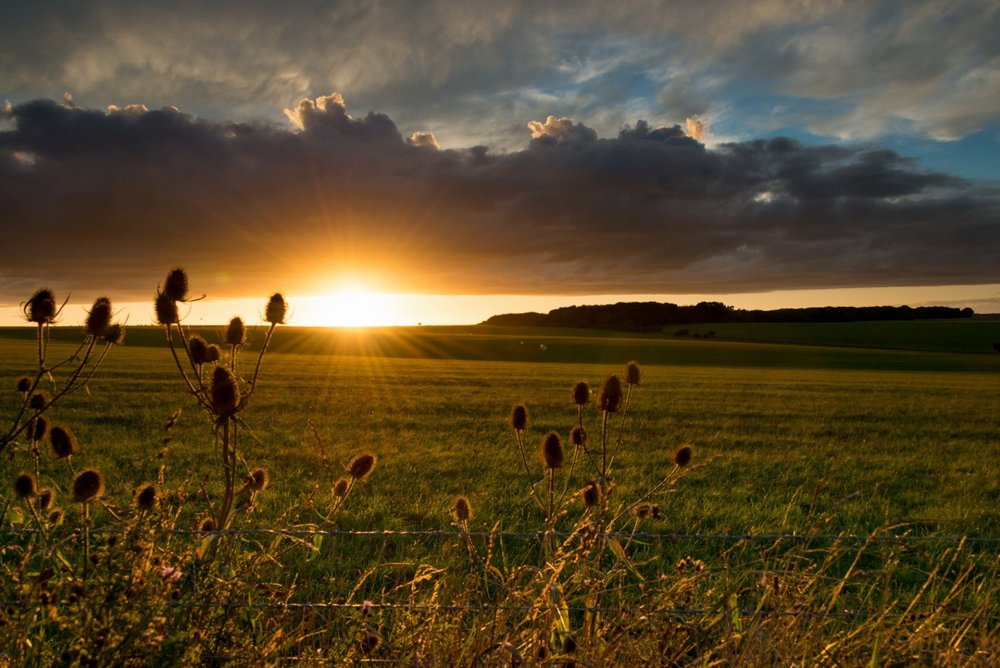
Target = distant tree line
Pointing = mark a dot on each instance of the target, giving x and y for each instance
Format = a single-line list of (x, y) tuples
[(654, 316)]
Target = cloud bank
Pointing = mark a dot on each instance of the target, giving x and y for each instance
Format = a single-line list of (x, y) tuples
[(108, 200)]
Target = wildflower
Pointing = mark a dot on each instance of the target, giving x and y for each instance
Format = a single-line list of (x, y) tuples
[(63, 442), (206, 525), (236, 333), (166, 310), (146, 497), (633, 374), (24, 385), (41, 308), (213, 353), (276, 309), (552, 451), (461, 510), (38, 401), (258, 480), (99, 317), (88, 485), (611, 394), (340, 487), (176, 287), (171, 574), (46, 498), (581, 393), (40, 429), (683, 456), (115, 334), (362, 466), (519, 418), (591, 495), (578, 436), (198, 349), (25, 485), (225, 392)]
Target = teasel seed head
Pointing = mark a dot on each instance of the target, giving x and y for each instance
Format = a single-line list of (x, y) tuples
[(461, 510), (362, 465), (225, 392), (99, 317), (206, 525), (176, 287), (552, 451), (115, 334), (166, 309), (633, 374), (41, 308), (24, 385), (258, 479), (611, 394), (641, 510), (369, 642), (578, 436), (38, 401), (63, 442), (40, 429), (46, 498), (198, 348), (213, 353), (591, 495), (654, 511), (25, 485), (581, 393), (276, 309), (56, 516), (147, 497), (340, 487), (683, 456), (519, 417), (88, 485), (236, 332)]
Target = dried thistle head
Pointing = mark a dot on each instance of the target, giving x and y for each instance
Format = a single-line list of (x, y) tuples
[(63, 442), (99, 317), (198, 348), (41, 308), (519, 417), (642, 510), (25, 485), (115, 334), (633, 374), (276, 309), (38, 401), (578, 436), (46, 498), (40, 428), (56, 516), (369, 642), (236, 332), (552, 451), (683, 456), (24, 385), (258, 479), (340, 487), (461, 510), (207, 525), (213, 353), (176, 286), (88, 485), (591, 495), (611, 394), (362, 465), (581, 393), (147, 497), (166, 309), (225, 392)]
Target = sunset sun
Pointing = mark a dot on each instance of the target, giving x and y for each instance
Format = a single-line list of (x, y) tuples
[(351, 306)]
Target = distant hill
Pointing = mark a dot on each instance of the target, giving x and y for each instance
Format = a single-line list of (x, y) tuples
[(654, 316)]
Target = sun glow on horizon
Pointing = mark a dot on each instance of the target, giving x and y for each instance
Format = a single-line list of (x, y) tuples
[(351, 306)]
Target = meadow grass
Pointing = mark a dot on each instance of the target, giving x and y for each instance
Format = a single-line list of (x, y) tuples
[(840, 443)]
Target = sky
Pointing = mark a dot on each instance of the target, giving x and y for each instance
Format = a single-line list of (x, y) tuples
[(439, 162)]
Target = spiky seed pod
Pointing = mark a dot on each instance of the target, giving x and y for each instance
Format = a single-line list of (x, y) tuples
[(633, 374), (40, 429), (115, 334), (369, 642), (166, 310), (206, 525), (519, 417), (147, 497), (25, 485), (611, 394), (63, 442), (88, 485), (591, 495), (24, 385), (258, 479), (276, 309), (578, 436), (641, 510), (461, 510), (56, 517), (236, 333), (569, 644), (38, 401), (41, 308), (198, 349), (99, 317), (176, 287), (340, 487), (225, 392), (362, 466), (213, 353), (683, 456), (552, 451), (581, 393), (46, 498)]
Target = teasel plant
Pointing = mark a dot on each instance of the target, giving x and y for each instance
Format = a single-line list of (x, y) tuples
[(217, 385), (101, 333)]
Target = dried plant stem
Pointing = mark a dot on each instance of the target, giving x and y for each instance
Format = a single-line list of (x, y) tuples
[(621, 426), (260, 359), (198, 394), (86, 538), (527, 469)]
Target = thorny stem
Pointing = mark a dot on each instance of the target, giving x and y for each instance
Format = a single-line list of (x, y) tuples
[(260, 359), (86, 538), (621, 427), (604, 445), (199, 395), (228, 468), (527, 469)]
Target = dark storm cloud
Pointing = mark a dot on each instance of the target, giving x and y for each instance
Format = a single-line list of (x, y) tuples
[(108, 201)]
